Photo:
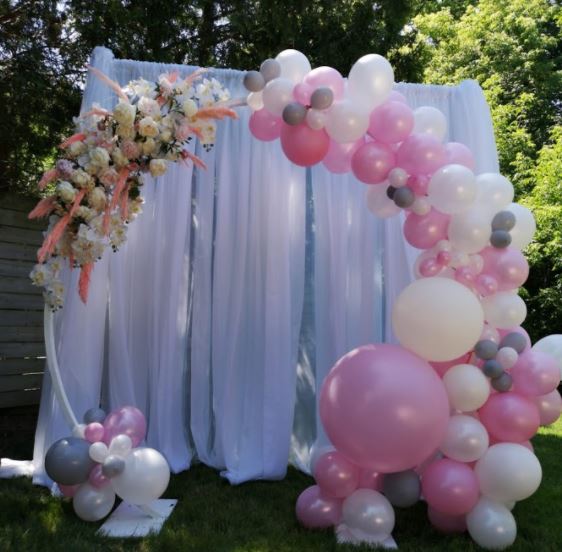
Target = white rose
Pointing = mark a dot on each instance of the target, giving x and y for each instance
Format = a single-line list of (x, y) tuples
[(97, 198), (189, 107), (40, 275), (166, 135), (124, 114), (149, 146), (81, 178), (99, 157), (157, 167), (167, 122), (148, 127), (149, 107), (66, 191), (85, 213), (76, 149), (127, 132), (118, 158)]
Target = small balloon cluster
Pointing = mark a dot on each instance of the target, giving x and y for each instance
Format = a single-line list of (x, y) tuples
[(103, 460)]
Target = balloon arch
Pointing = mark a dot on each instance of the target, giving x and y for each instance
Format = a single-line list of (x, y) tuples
[(447, 414)]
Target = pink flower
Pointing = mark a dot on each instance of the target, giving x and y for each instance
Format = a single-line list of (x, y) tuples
[(183, 132), (108, 177), (130, 149)]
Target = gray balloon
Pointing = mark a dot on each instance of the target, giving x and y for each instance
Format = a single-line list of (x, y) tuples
[(504, 220), (112, 466), (270, 69), (500, 239), (492, 369), (68, 461), (254, 81), (402, 489), (515, 341), (294, 113), (502, 383), (322, 98), (94, 415), (390, 191), (486, 349), (404, 197)]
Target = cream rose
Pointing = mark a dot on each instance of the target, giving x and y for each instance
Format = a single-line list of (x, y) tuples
[(157, 167), (189, 107), (149, 107), (81, 178), (148, 127), (66, 191), (149, 146), (97, 198), (124, 114), (127, 132), (76, 149), (118, 158)]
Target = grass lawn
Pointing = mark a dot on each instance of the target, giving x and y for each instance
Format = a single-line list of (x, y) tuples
[(213, 516)]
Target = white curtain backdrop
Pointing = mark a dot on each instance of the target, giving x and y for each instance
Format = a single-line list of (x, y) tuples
[(237, 290)]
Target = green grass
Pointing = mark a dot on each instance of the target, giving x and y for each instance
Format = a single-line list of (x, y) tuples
[(213, 516)]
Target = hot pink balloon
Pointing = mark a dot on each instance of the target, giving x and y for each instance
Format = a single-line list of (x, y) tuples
[(372, 162), (395, 96), (508, 266), (93, 432), (96, 477), (68, 490), (421, 154), (450, 487), (265, 126), (325, 77), (459, 154), (338, 158), (446, 523), (336, 475), (391, 122), (424, 231), (317, 511), (550, 407), (510, 417), (370, 479), (304, 146), (384, 408), (442, 367), (128, 420), (535, 373)]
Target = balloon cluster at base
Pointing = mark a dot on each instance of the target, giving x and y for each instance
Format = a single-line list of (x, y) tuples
[(104, 460), (447, 413)]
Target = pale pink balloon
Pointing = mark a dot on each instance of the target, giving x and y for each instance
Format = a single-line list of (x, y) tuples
[(486, 285), (519, 330), (446, 523), (68, 490), (128, 420), (317, 511), (424, 231), (336, 475), (510, 417), (421, 154), (96, 477), (508, 266), (304, 146), (459, 154), (94, 432), (535, 373), (442, 367), (372, 162), (391, 122), (384, 408), (395, 96), (450, 487), (370, 479), (338, 158), (465, 276), (302, 93), (418, 184), (325, 77), (265, 126), (430, 267), (550, 407)]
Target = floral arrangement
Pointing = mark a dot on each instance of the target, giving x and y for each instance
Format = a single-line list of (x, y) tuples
[(96, 181)]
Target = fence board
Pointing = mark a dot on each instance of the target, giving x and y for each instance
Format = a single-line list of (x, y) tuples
[(20, 235), (22, 350), (17, 251), (17, 334), (19, 382), (20, 220), (18, 285), (13, 366), (20, 318), (19, 398), (21, 301), (20, 269), (16, 202)]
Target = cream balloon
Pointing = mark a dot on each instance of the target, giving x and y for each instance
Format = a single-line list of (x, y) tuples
[(370, 81), (98, 452), (525, 226), (294, 65), (368, 511), (346, 121), (315, 119), (91, 503), (467, 387), (466, 439), (277, 94), (552, 345), (255, 100), (470, 230), (429, 120), (504, 310), (379, 203), (491, 525), (494, 191), (452, 189), (426, 319)]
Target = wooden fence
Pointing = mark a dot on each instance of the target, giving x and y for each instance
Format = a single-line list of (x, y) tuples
[(22, 351)]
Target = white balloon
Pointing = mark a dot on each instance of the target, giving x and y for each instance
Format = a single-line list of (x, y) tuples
[(525, 226), (398, 177), (277, 94), (346, 121), (467, 387), (78, 431), (504, 310), (452, 189), (429, 120), (494, 191), (255, 100), (379, 203), (98, 452), (491, 525), (507, 357), (466, 439), (552, 345), (368, 511), (294, 65), (508, 471), (91, 503), (120, 445), (470, 230), (426, 320), (316, 119), (370, 80), (421, 206), (145, 477)]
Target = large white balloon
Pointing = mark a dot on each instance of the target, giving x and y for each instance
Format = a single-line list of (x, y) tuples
[(294, 65), (255, 100), (379, 203), (346, 121), (470, 230), (277, 94), (145, 477), (429, 120), (491, 525), (466, 439), (467, 387), (507, 472), (426, 319), (525, 226), (504, 310), (370, 80), (91, 503), (552, 345), (452, 189), (494, 191), (368, 511)]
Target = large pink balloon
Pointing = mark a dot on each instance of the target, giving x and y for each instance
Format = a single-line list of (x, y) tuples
[(425, 231), (324, 76), (265, 126), (317, 511), (338, 158), (395, 96), (510, 417), (459, 154), (535, 373), (336, 475), (372, 162), (304, 146), (508, 266), (450, 487), (550, 407), (126, 420), (384, 408), (391, 122), (446, 523), (421, 154)]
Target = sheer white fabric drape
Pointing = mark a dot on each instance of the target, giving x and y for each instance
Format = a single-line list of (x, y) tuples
[(201, 319)]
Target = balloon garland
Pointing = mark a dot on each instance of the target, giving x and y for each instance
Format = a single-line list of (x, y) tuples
[(449, 412)]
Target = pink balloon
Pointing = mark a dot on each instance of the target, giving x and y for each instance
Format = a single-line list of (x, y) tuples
[(96, 477), (338, 158), (325, 77), (418, 184), (317, 511), (370, 479), (519, 330), (535, 373), (510, 417), (302, 93), (459, 154), (446, 523), (395, 96), (391, 122), (93, 432), (128, 420), (336, 475), (68, 490), (442, 367), (384, 408), (304, 146), (550, 407), (372, 162), (424, 231), (450, 487), (265, 126), (465, 275), (430, 267), (508, 266), (486, 285), (421, 154)]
